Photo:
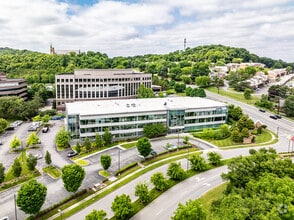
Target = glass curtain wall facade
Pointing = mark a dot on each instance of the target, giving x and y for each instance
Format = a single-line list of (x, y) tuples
[(130, 125)]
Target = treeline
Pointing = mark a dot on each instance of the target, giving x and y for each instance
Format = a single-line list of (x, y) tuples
[(38, 67)]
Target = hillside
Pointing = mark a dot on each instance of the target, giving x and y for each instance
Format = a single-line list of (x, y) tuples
[(40, 67)]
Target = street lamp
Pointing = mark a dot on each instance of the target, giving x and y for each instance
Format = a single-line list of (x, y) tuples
[(118, 161), (188, 159), (278, 131), (15, 213), (60, 213)]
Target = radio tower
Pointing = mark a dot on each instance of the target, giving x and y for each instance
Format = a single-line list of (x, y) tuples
[(185, 42)]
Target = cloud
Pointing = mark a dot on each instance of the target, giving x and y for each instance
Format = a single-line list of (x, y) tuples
[(126, 28)]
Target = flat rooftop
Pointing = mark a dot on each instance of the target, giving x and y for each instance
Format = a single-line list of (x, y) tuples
[(103, 107)]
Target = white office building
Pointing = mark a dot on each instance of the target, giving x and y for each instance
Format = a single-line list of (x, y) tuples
[(126, 118), (95, 84)]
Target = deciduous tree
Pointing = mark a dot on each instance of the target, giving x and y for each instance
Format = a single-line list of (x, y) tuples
[(214, 158), (31, 162), (72, 176), (142, 192), (159, 181), (175, 171), (15, 142), (105, 161), (197, 162), (32, 139), (16, 168), (122, 207), (96, 215), (3, 124), (31, 196), (144, 146), (107, 137), (62, 138), (192, 210)]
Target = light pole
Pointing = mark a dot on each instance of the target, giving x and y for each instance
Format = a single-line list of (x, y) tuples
[(15, 213), (178, 138), (188, 159), (60, 213), (118, 161), (278, 131)]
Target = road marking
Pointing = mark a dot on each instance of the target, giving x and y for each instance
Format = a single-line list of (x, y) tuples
[(206, 184), (159, 212), (198, 179)]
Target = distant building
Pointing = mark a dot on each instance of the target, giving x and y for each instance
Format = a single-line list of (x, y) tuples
[(62, 52), (275, 74), (238, 66), (13, 87), (94, 84), (126, 118)]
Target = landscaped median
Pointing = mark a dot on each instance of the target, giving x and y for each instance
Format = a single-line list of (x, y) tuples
[(73, 206)]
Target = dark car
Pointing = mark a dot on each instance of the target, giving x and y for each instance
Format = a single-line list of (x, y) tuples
[(273, 117), (153, 153), (278, 116), (72, 153), (261, 110)]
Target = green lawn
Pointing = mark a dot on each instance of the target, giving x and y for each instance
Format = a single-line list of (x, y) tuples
[(52, 171), (82, 162), (129, 145), (104, 173), (22, 159), (234, 95), (264, 137), (210, 196)]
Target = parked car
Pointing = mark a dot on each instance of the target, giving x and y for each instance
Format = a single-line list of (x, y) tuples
[(72, 153), (38, 156), (273, 117), (32, 128), (153, 152), (45, 129), (141, 156), (261, 110), (278, 116)]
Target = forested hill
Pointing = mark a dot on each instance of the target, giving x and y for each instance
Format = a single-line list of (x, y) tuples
[(40, 67)]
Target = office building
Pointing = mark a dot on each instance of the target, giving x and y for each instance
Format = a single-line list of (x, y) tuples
[(13, 87), (94, 84), (126, 119)]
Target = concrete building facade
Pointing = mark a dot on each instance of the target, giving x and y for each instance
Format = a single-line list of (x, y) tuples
[(94, 84), (13, 87), (126, 119)]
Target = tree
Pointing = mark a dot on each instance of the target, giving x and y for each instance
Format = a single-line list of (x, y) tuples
[(203, 81), (175, 171), (214, 158), (48, 158), (197, 162), (105, 161), (107, 137), (2, 173), (16, 168), (45, 118), (179, 87), (235, 113), (15, 142), (144, 146), (62, 138), (154, 130), (144, 92), (32, 139), (98, 141), (192, 210), (186, 139), (3, 124), (87, 144), (31, 196), (78, 147), (72, 177), (141, 191), (31, 162), (159, 181), (247, 93), (289, 106), (122, 207), (37, 118), (96, 215)]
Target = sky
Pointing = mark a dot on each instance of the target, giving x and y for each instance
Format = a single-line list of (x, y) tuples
[(138, 27)]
